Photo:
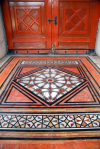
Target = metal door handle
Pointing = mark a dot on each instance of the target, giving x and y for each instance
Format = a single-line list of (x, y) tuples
[(55, 21)]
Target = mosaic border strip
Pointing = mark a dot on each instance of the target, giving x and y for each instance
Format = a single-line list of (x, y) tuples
[(50, 62), (50, 122)]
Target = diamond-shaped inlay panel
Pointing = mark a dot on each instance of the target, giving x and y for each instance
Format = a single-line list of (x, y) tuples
[(34, 13), (21, 27), (28, 20), (68, 27), (20, 13), (69, 12), (35, 27), (82, 13), (75, 19), (50, 84)]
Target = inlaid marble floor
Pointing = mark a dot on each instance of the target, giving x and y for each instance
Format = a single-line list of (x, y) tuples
[(49, 98)]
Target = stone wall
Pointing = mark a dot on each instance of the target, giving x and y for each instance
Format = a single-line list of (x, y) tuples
[(3, 44), (97, 47)]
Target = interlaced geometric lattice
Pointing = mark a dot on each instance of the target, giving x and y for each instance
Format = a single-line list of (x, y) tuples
[(27, 20), (50, 84), (46, 121), (75, 19)]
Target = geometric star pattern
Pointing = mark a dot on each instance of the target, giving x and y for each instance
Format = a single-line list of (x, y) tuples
[(46, 121), (26, 115), (50, 83)]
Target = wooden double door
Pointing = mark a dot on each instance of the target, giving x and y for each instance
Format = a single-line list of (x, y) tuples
[(51, 24)]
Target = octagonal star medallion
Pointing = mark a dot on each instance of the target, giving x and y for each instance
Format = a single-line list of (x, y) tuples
[(50, 84)]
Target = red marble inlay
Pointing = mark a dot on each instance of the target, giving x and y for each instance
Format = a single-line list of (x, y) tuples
[(50, 80)]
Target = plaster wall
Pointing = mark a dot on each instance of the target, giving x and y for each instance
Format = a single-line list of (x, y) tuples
[(3, 44), (97, 47)]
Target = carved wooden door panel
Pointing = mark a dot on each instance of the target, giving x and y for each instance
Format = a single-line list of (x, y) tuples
[(77, 24), (27, 26), (30, 24)]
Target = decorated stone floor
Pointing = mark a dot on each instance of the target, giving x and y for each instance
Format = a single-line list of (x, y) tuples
[(47, 98)]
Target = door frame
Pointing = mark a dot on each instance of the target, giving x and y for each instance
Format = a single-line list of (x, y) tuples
[(52, 11)]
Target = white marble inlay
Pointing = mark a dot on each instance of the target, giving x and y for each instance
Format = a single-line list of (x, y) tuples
[(50, 83)]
